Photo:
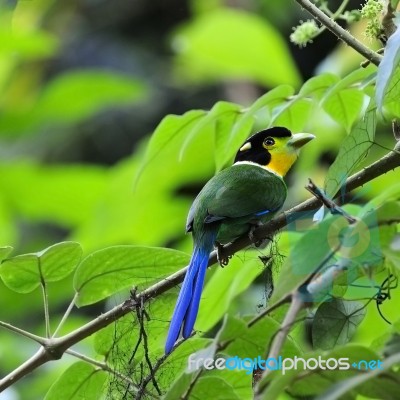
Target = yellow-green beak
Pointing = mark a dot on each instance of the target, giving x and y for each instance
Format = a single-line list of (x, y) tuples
[(298, 140)]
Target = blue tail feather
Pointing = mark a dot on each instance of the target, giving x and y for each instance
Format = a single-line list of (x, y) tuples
[(187, 305), (191, 313)]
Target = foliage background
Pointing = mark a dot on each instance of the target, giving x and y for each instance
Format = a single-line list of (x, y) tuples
[(82, 85)]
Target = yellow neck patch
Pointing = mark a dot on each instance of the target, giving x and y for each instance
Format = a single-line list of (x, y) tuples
[(281, 162)]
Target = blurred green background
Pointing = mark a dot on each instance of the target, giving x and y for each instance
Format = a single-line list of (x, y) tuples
[(83, 83)]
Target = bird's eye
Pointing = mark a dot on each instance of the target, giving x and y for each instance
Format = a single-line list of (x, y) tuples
[(269, 141)]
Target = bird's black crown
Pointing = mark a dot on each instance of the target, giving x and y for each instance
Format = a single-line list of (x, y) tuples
[(257, 153)]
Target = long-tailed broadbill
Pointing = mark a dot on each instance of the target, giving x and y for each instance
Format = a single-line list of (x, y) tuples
[(231, 203)]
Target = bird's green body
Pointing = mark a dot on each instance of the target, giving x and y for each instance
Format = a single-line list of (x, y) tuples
[(236, 198), (251, 191)]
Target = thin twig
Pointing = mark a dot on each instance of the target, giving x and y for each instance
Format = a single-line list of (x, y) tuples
[(45, 299), (141, 313), (341, 33), (38, 359), (267, 311), (333, 207), (145, 381), (332, 15), (66, 315), (12, 328), (296, 305), (193, 382), (340, 389), (103, 366)]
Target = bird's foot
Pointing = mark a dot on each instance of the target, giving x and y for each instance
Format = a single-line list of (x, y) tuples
[(222, 259), (257, 242)]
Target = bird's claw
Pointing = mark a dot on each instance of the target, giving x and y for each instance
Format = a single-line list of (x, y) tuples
[(222, 260)]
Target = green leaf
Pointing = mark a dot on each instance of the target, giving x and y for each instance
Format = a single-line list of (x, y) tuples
[(232, 328), (353, 149), (76, 95), (211, 387), (228, 43), (341, 388), (241, 130), (4, 252), (277, 95), (59, 260), (224, 285), (335, 323), (70, 98), (27, 45), (392, 253), (254, 341), (26, 272), (389, 194), (242, 127), (224, 140), (112, 269), (179, 387), (170, 132), (178, 363), (222, 118), (294, 114), (388, 213), (388, 77), (343, 105), (358, 78), (361, 242), (343, 100), (239, 381), (206, 387), (277, 383), (314, 249), (318, 85), (313, 382), (52, 189), (81, 381)]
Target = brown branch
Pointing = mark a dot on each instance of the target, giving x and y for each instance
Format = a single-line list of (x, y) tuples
[(296, 305), (341, 33), (54, 348), (331, 205), (388, 21)]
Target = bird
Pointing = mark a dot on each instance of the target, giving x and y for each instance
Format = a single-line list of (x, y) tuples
[(232, 203)]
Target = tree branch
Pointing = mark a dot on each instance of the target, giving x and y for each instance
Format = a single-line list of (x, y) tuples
[(341, 33), (105, 367), (12, 328), (331, 205), (296, 305), (54, 348)]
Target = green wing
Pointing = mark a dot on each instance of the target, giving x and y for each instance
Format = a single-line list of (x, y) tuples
[(243, 190)]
